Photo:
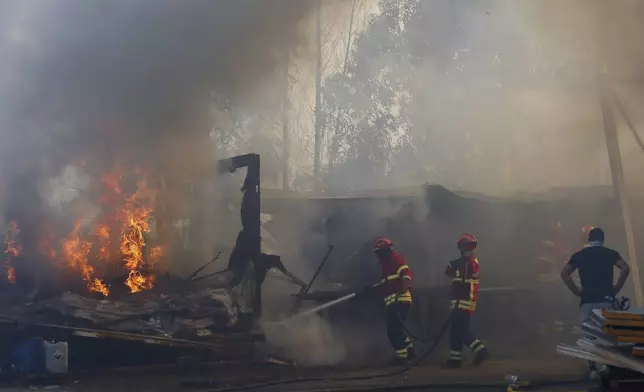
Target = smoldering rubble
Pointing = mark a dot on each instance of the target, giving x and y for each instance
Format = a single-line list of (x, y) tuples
[(117, 95)]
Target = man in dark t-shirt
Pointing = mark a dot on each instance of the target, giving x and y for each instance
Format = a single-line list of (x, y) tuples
[(595, 264)]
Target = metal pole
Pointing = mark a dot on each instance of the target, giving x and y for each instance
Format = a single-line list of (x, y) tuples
[(617, 174), (317, 272), (612, 142), (334, 143), (318, 95), (629, 123), (306, 289)]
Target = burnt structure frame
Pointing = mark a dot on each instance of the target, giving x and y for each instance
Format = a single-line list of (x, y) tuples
[(250, 213)]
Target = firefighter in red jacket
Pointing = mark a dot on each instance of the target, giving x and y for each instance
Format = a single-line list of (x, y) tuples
[(396, 290), (464, 272)]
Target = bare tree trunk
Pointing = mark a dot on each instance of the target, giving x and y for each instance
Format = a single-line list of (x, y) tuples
[(334, 143)]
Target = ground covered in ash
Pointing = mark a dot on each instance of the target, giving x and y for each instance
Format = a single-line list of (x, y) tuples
[(555, 373)]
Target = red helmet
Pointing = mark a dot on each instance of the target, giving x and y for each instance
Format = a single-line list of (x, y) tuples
[(466, 242), (382, 243)]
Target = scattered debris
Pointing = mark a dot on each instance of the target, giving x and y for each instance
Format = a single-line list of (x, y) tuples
[(198, 270), (192, 315), (279, 361)]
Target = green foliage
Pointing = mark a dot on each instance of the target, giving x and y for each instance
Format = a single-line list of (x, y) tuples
[(363, 108), (400, 107)]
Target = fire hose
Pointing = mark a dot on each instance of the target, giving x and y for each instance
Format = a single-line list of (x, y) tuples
[(344, 299)]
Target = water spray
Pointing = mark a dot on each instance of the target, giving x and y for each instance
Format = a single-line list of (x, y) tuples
[(319, 308)]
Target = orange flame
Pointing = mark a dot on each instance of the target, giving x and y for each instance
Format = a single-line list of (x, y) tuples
[(125, 224), (103, 234), (76, 250), (132, 245), (12, 250), (11, 275), (134, 216), (137, 282)]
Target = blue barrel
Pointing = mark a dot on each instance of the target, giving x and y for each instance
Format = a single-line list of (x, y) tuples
[(29, 357)]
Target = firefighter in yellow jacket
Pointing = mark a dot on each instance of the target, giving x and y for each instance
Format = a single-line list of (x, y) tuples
[(464, 272)]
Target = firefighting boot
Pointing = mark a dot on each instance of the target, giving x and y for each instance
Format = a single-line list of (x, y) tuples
[(454, 360), (411, 351), (480, 356)]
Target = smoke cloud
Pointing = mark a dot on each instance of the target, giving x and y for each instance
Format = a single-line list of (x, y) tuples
[(131, 78), (493, 84), (87, 86), (309, 341)]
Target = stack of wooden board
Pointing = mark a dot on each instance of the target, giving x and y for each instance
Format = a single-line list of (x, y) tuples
[(626, 327), (612, 338)]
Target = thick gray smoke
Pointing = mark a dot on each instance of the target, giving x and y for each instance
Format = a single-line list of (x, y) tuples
[(125, 77), (89, 85), (309, 341)]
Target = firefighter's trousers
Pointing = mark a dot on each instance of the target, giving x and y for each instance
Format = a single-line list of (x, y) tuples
[(400, 341), (460, 335)]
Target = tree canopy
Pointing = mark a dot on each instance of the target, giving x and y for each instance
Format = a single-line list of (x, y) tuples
[(445, 91)]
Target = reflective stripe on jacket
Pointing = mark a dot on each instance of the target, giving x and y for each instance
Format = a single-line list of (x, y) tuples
[(465, 284), (394, 270)]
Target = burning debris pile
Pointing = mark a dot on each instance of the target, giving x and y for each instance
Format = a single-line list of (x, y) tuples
[(111, 251), (114, 240), (128, 89), (130, 82)]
